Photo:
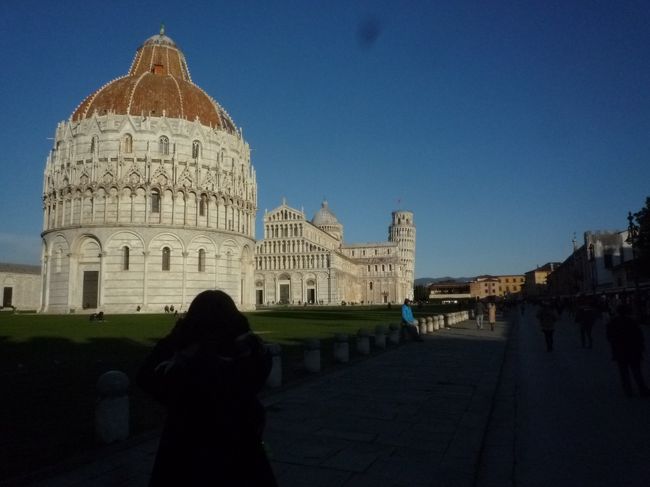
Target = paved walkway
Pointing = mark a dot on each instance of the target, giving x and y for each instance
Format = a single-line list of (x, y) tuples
[(413, 416)]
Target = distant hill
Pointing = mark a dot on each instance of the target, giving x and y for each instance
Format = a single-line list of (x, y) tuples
[(425, 281)]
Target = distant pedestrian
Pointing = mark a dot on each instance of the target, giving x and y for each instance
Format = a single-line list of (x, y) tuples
[(409, 322), (626, 341), (492, 315), (479, 311), (207, 372), (586, 316), (547, 318)]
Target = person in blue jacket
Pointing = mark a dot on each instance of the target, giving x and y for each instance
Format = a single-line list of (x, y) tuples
[(409, 321)]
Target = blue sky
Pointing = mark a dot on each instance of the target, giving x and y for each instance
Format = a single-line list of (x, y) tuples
[(504, 126)]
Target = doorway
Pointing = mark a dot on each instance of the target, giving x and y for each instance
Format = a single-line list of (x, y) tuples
[(90, 289), (7, 296)]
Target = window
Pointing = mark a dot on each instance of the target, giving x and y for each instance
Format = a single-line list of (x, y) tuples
[(155, 202), (94, 144), (201, 260), (371, 285), (196, 149), (608, 260), (127, 144), (163, 145), (166, 258), (125, 258), (202, 206)]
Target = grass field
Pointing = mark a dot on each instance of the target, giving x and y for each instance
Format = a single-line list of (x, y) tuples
[(49, 365)]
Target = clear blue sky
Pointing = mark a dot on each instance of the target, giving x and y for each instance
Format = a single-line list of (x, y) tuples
[(504, 126)]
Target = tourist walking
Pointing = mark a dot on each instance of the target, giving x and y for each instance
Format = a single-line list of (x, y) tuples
[(547, 319), (409, 322), (626, 341), (586, 316), (479, 311), (492, 315), (207, 372)]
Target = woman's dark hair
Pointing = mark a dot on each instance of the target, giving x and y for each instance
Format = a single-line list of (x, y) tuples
[(212, 316)]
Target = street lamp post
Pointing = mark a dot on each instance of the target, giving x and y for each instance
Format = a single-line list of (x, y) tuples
[(632, 238)]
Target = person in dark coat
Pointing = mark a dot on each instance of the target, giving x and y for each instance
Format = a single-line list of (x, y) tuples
[(547, 319), (626, 341), (207, 372), (586, 317)]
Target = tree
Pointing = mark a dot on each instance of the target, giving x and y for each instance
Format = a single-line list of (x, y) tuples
[(421, 293), (642, 244)]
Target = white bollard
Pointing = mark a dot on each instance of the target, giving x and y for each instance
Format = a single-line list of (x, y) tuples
[(429, 324), (422, 326), (341, 349), (363, 342), (380, 337), (312, 355), (112, 411), (275, 376)]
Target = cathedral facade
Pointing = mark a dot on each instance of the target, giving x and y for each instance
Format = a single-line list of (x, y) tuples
[(306, 262), (149, 195)]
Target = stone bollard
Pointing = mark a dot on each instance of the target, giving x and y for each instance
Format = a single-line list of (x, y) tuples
[(393, 334), (341, 348), (363, 342), (112, 411), (275, 376), (436, 322), (380, 337), (471, 314), (312, 355), (422, 326), (429, 324)]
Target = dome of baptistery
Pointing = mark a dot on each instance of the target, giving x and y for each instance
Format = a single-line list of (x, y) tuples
[(149, 195), (157, 84)]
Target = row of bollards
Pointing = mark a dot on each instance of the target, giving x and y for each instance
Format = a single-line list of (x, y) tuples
[(112, 411)]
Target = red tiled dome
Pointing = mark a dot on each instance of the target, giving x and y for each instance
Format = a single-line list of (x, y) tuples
[(157, 84)]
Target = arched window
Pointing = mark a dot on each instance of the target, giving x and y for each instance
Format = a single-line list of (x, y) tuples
[(201, 260), (202, 206), (155, 201), (125, 258), (370, 285), (196, 149), (127, 144), (94, 145), (166, 258), (163, 145)]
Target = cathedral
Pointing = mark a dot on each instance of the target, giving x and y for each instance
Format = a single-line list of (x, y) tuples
[(306, 262), (150, 197)]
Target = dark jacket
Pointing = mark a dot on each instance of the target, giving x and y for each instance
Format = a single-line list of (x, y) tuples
[(213, 431), (625, 339)]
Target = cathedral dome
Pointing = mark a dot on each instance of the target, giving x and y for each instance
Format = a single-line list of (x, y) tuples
[(158, 84), (324, 216)]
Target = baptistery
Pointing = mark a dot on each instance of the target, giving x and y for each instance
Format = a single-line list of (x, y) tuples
[(149, 195)]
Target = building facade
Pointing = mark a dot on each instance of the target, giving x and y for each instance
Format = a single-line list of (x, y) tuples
[(148, 200), (496, 286), (21, 286), (306, 262)]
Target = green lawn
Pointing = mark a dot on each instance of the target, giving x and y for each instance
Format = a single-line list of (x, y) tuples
[(49, 365)]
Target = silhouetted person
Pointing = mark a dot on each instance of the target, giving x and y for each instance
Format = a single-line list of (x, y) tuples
[(409, 322), (586, 316), (479, 311), (626, 340), (547, 319), (207, 372), (492, 315)]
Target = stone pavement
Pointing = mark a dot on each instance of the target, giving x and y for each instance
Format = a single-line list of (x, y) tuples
[(416, 415)]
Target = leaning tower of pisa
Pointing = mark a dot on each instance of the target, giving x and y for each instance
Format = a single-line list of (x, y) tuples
[(402, 232)]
